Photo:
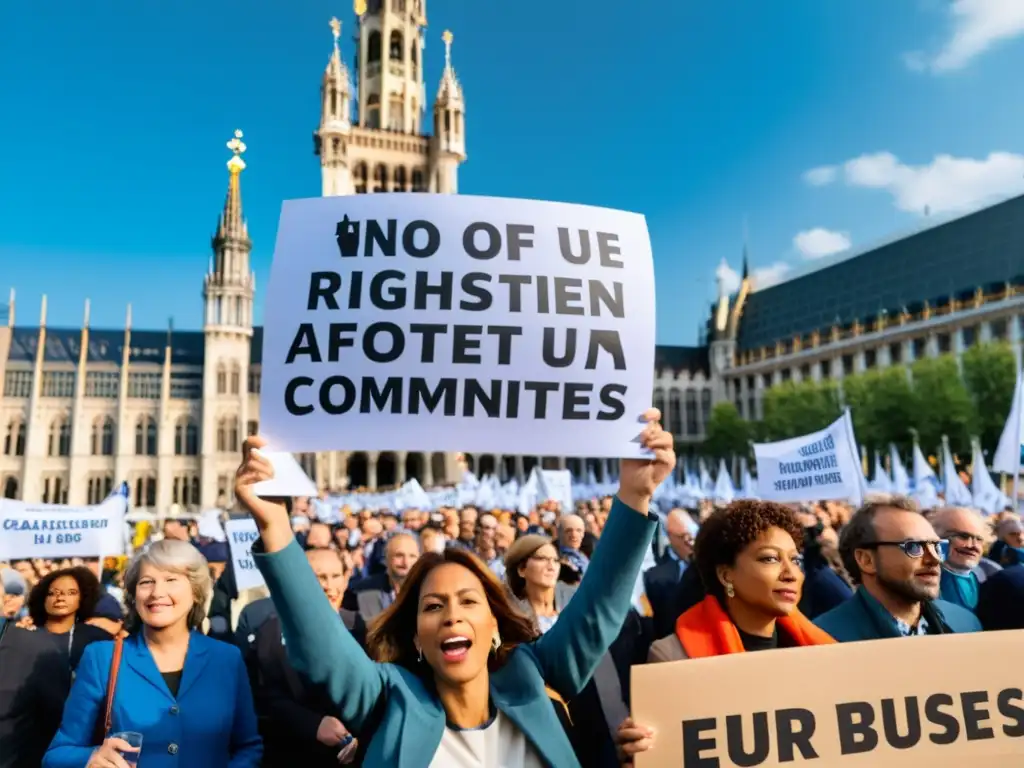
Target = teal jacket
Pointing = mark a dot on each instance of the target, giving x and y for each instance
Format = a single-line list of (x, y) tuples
[(405, 719), (862, 617)]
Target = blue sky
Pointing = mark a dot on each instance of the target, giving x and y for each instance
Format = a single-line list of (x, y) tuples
[(823, 124)]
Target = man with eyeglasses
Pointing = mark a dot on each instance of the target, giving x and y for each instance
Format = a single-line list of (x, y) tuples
[(895, 558), (967, 533)]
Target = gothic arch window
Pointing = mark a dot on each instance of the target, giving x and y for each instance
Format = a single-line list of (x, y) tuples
[(195, 490), (373, 111), (414, 57), (222, 379), (397, 46), (236, 378), (233, 435), (373, 48), (691, 412), (11, 488), (659, 402), (145, 436), (675, 413), (102, 438), (145, 492), (222, 436), (418, 181), (400, 179), (227, 435), (60, 437), (380, 178), (186, 438), (360, 177), (14, 439), (99, 488), (705, 409)]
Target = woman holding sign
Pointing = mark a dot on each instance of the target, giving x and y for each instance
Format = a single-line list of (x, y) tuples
[(461, 677), (749, 558)]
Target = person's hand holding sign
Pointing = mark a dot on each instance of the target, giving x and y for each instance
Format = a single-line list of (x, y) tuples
[(638, 478), (631, 739), (271, 515)]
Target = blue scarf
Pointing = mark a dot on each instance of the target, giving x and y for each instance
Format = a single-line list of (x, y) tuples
[(960, 589)]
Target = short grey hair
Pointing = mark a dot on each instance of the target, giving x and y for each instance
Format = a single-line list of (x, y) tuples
[(177, 557), (860, 530), (940, 519)]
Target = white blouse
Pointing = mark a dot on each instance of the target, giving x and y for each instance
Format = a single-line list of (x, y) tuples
[(500, 744)]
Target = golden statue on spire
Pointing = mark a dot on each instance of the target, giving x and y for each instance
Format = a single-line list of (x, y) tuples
[(448, 37), (236, 164), (359, 6), (336, 28)]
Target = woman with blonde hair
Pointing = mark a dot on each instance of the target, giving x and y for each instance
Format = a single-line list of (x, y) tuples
[(457, 677), (184, 696)]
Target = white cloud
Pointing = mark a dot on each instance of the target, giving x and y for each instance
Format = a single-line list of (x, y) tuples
[(729, 278), (977, 26), (818, 242), (765, 277), (946, 185), (821, 176)]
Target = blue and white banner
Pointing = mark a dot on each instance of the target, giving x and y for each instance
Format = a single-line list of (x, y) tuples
[(822, 466), (57, 531), (242, 534)]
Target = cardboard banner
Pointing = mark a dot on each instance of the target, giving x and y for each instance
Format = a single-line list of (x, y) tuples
[(456, 323), (939, 701), (28, 531), (242, 534), (821, 466)]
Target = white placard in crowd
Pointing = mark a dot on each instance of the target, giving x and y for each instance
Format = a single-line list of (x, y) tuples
[(289, 480), (822, 466), (57, 531), (449, 322), (556, 485), (242, 533)]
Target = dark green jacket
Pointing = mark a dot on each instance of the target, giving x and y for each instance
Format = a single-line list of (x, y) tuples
[(862, 617)]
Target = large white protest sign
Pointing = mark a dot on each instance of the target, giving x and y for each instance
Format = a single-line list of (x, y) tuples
[(449, 322), (819, 466), (57, 531), (242, 534)]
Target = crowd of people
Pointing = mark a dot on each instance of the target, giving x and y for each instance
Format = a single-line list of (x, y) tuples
[(458, 638)]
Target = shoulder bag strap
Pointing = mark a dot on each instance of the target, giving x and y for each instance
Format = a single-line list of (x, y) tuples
[(115, 667)]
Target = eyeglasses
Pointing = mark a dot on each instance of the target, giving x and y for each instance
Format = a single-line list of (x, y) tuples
[(915, 548), (967, 538)]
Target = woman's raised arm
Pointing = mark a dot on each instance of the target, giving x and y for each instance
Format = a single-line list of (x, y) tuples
[(570, 651), (316, 640)]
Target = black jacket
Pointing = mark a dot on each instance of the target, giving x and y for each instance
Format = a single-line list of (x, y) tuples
[(660, 584), (35, 680), (368, 596), (289, 708)]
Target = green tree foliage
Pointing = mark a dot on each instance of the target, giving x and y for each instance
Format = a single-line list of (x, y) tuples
[(796, 408), (727, 433), (882, 404), (990, 373), (942, 404)]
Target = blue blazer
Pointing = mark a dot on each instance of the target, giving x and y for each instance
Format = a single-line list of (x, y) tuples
[(211, 723), (393, 709)]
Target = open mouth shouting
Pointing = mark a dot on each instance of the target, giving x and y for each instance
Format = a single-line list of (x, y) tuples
[(455, 649)]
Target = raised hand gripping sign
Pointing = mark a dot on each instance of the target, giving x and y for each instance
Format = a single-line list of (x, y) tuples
[(449, 322)]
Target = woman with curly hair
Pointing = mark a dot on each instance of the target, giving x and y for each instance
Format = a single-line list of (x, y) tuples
[(61, 603), (749, 557)]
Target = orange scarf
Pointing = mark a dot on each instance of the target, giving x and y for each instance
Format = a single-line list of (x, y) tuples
[(706, 630)]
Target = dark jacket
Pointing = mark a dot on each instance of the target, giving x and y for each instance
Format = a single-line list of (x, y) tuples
[(862, 617), (252, 617), (823, 588), (660, 585), (288, 706), (34, 682), (369, 596), (1001, 599)]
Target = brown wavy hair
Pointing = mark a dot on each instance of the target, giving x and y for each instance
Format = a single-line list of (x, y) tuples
[(390, 636)]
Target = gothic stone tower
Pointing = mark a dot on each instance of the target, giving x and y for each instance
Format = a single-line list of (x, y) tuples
[(385, 148)]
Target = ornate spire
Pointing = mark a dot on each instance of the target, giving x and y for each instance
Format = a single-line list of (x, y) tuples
[(336, 68), (232, 224), (450, 90)]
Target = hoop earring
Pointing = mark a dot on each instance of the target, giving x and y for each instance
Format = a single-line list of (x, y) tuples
[(420, 658), (496, 641), (730, 591)]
